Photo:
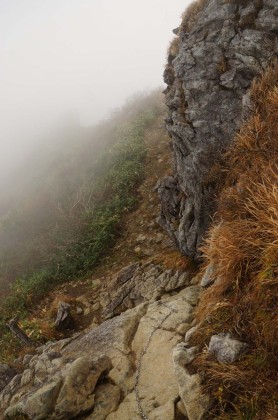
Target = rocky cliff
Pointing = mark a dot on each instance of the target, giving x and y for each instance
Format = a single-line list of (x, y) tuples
[(221, 46), (136, 360)]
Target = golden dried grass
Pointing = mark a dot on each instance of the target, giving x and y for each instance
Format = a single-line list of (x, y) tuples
[(173, 48), (243, 247), (190, 15)]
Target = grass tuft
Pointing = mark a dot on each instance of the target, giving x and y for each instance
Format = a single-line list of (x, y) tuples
[(190, 15), (242, 246)]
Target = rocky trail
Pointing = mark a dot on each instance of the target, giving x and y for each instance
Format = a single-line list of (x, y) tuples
[(134, 313)]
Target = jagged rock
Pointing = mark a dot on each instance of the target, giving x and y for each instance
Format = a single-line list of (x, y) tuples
[(27, 358), (6, 375), (76, 394), (147, 283), (63, 317), (184, 355), (228, 45), (190, 390), (60, 381), (38, 405), (226, 348)]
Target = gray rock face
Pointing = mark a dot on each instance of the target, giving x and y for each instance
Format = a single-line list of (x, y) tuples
[(230, 43), (144, 284), (226, 348)]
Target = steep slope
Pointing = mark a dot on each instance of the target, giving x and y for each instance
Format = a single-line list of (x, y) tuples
[(130, 315)]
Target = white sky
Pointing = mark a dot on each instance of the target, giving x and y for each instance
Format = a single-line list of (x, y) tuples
[(83, 55)]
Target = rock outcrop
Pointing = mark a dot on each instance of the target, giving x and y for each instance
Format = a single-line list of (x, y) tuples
[(220, 50), (128, 367)]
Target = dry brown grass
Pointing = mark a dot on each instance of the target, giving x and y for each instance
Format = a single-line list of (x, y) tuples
[(174, 260), (190, 15), (243, 248), (173, 48)]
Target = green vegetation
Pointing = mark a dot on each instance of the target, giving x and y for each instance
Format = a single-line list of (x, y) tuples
[(84, 223)]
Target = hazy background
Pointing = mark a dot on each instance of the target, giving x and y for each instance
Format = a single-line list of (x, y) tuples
[(75, 59)]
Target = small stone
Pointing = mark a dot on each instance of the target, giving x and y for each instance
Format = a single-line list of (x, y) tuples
[(96, 284), (137, 250), (159, 238), (148, 252), (63, 317), (183, 328), (96, 306), (141, 238), (225, 348), (182, 355), (208, 277), (27, 376), (79, 311), (87, 311)]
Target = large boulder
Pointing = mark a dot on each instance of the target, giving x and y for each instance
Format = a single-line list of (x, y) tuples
[(226, 45)]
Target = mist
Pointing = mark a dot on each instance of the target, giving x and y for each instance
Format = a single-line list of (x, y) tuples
[(72, 58)]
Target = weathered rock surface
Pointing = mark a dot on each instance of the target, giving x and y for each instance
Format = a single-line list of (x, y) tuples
[(64, 393), (132, 352), (225, 348), (229, 44), (147, 283), (195, 403)]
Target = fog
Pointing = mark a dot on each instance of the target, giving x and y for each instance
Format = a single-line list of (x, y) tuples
[(75, 57)]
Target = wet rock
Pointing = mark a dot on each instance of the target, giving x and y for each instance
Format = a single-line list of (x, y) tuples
[(225, 348)]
